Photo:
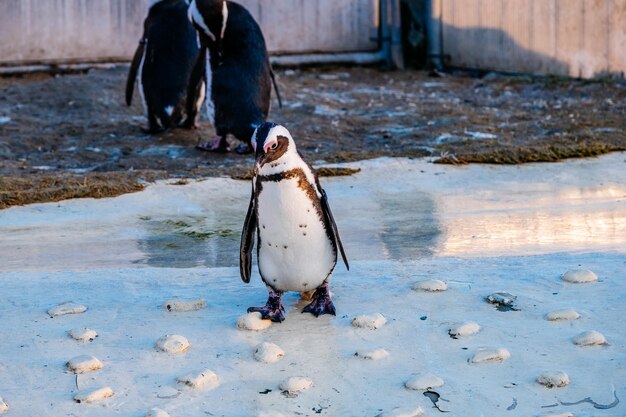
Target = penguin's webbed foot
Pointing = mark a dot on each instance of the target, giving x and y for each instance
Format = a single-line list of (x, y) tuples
[(273, 309), (218, 144), (188, 123), (322, 304)]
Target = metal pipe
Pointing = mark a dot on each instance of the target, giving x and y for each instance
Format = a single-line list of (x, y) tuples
[(397, 51), (358, 58), (434, 33)]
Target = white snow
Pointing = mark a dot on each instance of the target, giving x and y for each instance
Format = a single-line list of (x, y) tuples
[(3, 406), (589, 338), (178, 305), (157, 412), (83, 364), (423, 382), (253, 321), (373, 321), (579, 276), (268, 352), (206, 379), (431, 285), (564, 314), (82, 334), (489, 354), (93, 396), (553, 379), (66, 308), (296, 384), (479, 228), (173, 343), (403, 412), (375, 354), (465, 329)]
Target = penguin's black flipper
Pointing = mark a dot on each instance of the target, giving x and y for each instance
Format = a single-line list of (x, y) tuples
[(247, 242), (198, 75), (280, 101), (132, 73), (331, 221)]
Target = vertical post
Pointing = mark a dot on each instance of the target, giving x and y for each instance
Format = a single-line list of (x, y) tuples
[(434, 33), (385, 32), (397, 51)]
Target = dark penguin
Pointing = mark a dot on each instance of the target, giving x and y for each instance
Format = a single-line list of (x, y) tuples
[(164, 61), (234, 62), (297, 238)]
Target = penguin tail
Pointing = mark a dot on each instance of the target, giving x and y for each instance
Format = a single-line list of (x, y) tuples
[(280, 101)]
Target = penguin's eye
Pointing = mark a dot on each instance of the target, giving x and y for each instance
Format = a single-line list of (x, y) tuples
[(274, 146)]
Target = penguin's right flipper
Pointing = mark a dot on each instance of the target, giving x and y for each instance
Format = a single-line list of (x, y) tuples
[(331, 220), (198, 75), (247, 242), (132, 73)]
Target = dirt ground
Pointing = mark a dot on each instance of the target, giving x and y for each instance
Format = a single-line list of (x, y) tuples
[(65, 136)]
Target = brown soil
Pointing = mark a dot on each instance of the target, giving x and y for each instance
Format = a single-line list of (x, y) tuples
[(71, 136)]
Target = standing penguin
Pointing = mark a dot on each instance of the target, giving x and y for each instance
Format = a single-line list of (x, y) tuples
[(164, 60), (297, 238), (234, 62)]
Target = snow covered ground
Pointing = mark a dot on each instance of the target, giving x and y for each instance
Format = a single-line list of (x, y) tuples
[(480, 229)]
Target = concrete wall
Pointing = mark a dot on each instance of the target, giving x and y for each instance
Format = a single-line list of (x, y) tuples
[(48, 31), (580, 38)]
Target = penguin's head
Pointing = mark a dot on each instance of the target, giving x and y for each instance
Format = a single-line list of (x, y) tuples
[(209, 17), (272, 142)]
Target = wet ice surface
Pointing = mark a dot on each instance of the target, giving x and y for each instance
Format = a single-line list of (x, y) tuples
[(481, 229)]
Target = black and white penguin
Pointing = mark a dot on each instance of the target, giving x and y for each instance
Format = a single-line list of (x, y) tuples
[(297, 238), (235, 64), (164, 60)]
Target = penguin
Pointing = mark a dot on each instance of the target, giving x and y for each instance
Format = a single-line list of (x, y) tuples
[(297, 237), (234, 62), (164, 60)]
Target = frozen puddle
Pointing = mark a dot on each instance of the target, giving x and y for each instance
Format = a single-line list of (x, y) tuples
[(478, 229)]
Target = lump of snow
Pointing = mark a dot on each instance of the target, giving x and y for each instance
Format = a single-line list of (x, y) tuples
[(480, 135), (93, 396), (168, 393), (83, 364), (466, 329), (4, 407), (403, 412), (206, 378), (490, 355), (374, 355), (565, 414), (296, 384), (83, 334), (66, 308), (589, 338), (157, 412), (270, 413), (579, 276), (430, 285), (268, 352), (253, 321), (173, 343), (4, 120), (178, 305), (566, 314), (553, 379), (374, 321), (423, 382), (501, 298)]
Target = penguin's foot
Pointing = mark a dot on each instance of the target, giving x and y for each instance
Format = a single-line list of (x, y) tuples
[(152, 130), (243, 149), (322, 303), (218, 144), (273, 308), (188, 123)]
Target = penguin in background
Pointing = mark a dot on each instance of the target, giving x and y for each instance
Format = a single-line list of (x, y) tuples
[(163, 61), (234, 63), (297, 238)]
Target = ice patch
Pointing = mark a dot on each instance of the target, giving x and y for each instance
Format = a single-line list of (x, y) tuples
[(205, 379), (4, 120), (83, 364), (480, 135), (270, 413), (296, 384), (431, 285), (423, 382), (579, 276), (157, 412), (253, 321), (567, 314), (490, 355), (168, 393), (66, 308), (4, 407), (403, 412), (589, 338), (374, 355), (178, 305), (93, 396), (374, 321), (268, 352), (83, 334), (565, 414), (173, 343), (553, 379), (466, 329)]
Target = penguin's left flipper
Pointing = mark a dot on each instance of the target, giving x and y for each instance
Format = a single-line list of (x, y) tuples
[(331, 221), (247, 241), (132, 73)]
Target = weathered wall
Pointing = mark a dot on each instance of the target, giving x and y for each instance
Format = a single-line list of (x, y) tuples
[(36, 31), (583, 38)]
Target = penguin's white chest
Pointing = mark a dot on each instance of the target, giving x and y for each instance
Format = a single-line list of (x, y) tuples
[(295, 253)]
